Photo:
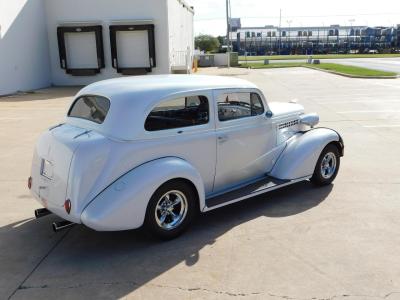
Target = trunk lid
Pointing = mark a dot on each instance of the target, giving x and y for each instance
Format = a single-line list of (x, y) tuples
[(51, 163)]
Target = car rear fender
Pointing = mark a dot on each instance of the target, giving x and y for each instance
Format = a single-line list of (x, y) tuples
[(302, 152), (123, 204)]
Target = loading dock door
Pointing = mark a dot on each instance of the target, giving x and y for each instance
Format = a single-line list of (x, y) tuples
[(132, 48), (81, 49)]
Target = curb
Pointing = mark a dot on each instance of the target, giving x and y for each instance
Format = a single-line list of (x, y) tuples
[(353, 76)]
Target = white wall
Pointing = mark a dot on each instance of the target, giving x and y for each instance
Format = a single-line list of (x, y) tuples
[(29, 56), (180, 24), (24, 56), (105, 11)]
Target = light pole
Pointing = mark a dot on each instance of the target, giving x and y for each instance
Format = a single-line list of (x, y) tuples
[(290, 45), (228, 29)]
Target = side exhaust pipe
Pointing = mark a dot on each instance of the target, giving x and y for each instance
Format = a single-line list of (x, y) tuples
[(41, 212), (61, 225)]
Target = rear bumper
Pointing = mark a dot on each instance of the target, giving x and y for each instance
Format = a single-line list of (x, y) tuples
[(57, 209)]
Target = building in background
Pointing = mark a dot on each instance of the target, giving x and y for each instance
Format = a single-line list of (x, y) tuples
[(77, 42), (312, 40)]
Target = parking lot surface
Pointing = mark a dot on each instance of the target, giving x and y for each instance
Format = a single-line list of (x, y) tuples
[(337, 242)]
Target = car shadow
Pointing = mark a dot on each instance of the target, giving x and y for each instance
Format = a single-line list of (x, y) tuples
[(121, 262)]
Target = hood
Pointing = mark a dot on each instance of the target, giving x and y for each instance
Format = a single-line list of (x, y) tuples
[(282, 109)]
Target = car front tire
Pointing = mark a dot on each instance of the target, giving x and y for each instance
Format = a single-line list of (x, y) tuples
[(327, 166), (171, 209)]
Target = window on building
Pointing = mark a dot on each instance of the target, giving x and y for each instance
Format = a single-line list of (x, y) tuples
[(253, 34), (247, 34), (300, 33), (258, 34), (283, 33), (274, 34), (337, 32), (239, 105), (91, 108), (309, 33), (178, 113), (269, 34)]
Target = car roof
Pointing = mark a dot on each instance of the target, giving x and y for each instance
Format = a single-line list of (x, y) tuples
[(161, 86), (132, 97)]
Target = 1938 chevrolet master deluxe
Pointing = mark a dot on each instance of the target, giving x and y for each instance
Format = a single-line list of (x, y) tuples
[(155, 150)]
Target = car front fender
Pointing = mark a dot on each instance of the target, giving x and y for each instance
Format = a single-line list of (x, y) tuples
[(302, 152), (123, 204)]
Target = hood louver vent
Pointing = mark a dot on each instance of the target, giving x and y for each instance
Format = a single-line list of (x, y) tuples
[(288, 124)]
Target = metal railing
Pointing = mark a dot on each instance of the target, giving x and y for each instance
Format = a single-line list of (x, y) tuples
[(181, 60)]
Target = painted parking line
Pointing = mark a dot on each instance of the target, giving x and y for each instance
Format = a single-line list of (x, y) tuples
[(358, 101), (381, 126), (367, 111), (396, 86)]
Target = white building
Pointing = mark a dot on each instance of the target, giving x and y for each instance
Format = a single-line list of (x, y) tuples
[(77, 42)]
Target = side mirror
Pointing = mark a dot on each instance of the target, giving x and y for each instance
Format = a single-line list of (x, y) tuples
[(269, 114)]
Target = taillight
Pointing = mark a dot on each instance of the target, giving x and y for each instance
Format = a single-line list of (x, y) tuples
[(29, 182), (67, 206)]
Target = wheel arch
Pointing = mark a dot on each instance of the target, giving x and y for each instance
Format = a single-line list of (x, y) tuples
[(302, 152), (192, 186), (131, 193)]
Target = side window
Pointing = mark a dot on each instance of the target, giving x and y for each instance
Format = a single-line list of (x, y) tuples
[(177, 113), (233, 106)]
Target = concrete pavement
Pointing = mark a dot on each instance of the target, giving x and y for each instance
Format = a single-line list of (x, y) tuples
[(337, 242)]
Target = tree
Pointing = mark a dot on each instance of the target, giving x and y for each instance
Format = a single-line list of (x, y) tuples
[(221, 39), (206, 42)]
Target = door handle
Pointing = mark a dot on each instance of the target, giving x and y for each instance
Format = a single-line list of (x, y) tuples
[(223, 138)]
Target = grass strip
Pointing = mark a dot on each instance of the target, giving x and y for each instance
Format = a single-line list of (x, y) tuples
[(317, 56), (338, 68)]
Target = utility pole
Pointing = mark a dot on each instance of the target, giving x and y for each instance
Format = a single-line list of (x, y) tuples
[(280, 23), (228, 29)]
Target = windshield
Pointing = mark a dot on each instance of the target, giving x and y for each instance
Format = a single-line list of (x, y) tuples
[(92, 108)]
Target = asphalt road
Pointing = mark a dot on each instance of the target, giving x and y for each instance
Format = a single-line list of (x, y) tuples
[(390, 64), (339, 242)]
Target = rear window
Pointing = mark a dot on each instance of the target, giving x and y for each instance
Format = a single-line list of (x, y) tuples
[(92, 108)]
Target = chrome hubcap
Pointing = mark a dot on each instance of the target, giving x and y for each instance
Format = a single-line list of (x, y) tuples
[(171, 210), (328, 165)]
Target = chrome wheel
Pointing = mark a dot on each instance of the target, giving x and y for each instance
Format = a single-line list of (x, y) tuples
[(171, 210), (328, 165)]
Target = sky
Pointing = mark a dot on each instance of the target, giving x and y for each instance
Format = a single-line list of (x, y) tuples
[(210, 15)]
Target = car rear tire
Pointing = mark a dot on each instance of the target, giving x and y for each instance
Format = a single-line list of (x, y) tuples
[(171, 209), (327, 166)]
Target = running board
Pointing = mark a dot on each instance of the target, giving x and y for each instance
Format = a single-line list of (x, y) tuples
[(266, 184)]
